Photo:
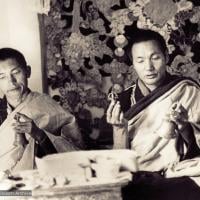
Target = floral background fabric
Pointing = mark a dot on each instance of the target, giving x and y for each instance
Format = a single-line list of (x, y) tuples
[(86, 54)]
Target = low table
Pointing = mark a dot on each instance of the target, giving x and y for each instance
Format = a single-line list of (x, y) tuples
[(90, 191), (93, 189)]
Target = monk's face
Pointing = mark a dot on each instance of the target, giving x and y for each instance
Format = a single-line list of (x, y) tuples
[(13, 79), (149, 62)]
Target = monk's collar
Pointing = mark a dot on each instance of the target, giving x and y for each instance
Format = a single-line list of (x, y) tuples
[(142, 90)]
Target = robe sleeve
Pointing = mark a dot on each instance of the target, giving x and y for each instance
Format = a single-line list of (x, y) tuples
[(59, 125)]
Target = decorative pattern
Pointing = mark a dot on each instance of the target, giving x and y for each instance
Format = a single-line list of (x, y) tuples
[(85, 47)]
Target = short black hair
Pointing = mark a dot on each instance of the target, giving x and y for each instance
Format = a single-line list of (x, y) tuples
[(143, 35), (9, 53)]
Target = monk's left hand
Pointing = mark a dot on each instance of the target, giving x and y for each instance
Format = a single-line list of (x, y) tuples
[(178, 114), (24, 124)]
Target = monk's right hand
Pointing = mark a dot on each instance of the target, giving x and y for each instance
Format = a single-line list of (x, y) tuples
[(114, 115)]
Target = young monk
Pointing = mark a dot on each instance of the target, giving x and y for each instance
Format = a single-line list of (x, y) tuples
[(31, 124)]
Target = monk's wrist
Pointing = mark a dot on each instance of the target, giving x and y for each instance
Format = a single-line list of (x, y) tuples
[(120, 137)]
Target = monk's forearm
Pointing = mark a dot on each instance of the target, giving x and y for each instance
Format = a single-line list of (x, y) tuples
[(120, 137)]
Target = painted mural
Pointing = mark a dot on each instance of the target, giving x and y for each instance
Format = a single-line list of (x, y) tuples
[(86, 54)]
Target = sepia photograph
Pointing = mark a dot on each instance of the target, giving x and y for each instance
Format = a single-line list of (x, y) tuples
[(100, 99)]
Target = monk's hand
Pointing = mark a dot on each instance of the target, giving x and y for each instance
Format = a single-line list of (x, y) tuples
[(114, 115), (179, 115), (24, 124)]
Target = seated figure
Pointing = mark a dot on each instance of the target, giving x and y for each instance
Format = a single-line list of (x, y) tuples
[(31, 124), (159, 118)]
